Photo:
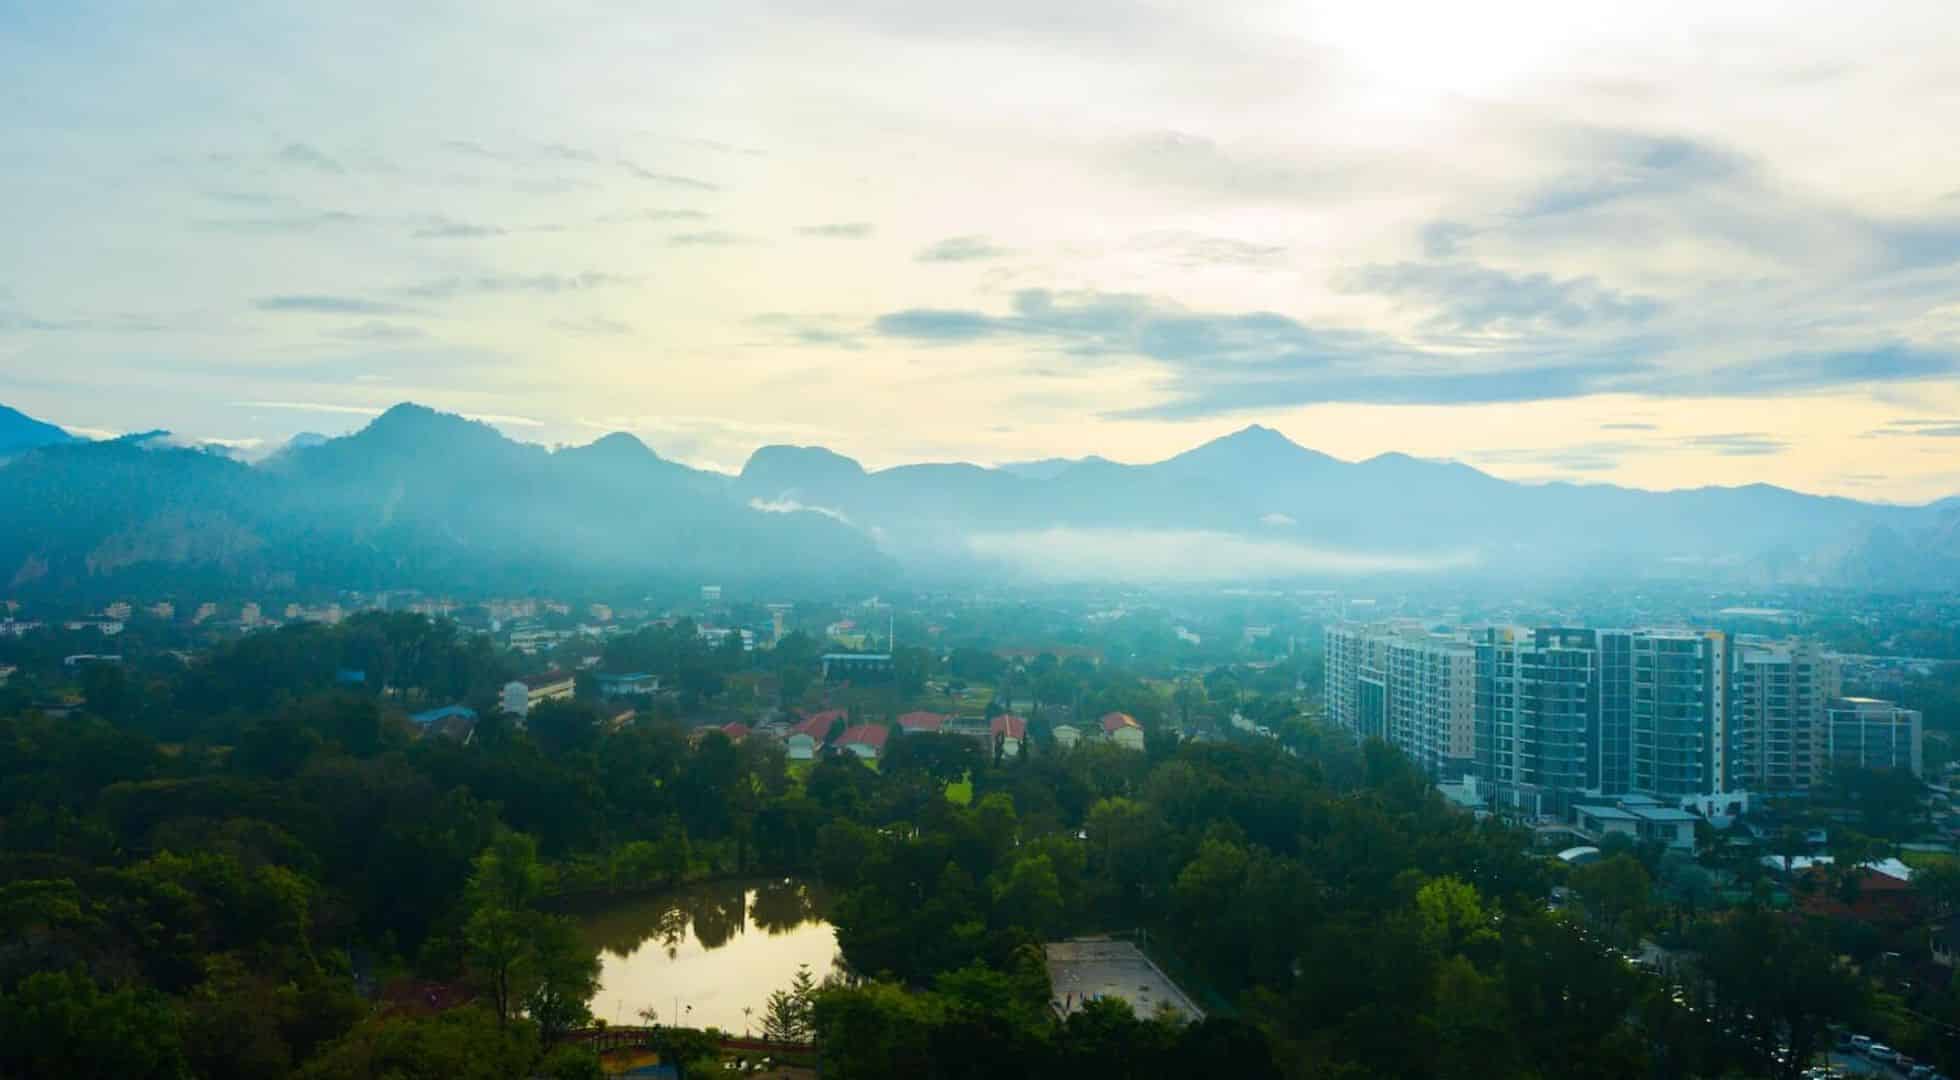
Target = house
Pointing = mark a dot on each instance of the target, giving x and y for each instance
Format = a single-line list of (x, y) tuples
[(913, 723), (632, 685), (1123, 730), (426, 720), (806, 738), (865, 740), (1066, 735), (1637, 821), (520, 696), (1009, 732), (456, 722), (735, 730), (1880, 897)]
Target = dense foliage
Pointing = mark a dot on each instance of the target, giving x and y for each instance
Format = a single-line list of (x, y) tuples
[(214, 873)]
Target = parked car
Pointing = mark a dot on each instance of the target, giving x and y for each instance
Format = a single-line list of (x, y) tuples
[(1882, 1052), (1861, 1043), (1920, 1072)]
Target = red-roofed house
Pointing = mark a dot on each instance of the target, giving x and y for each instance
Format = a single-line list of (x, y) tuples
[(736, 731), (1881, 898), (806, 738), (914, 722), (1009, 733), (1123, 730), (865, 740)]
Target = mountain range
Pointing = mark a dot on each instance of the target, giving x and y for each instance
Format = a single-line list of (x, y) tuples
[(426, 499)]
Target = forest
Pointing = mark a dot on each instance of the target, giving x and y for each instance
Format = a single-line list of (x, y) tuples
[(216, 872)]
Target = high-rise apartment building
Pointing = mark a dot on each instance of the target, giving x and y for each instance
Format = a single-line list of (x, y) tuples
[(1782, 692), (1536, 714), (1866, 733), (1409, 687), (1562, 712)]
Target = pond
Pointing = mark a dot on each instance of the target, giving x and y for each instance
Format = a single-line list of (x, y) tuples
[(708, 951)]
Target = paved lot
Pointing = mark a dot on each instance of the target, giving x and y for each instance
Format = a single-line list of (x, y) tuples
[(1087, 968)]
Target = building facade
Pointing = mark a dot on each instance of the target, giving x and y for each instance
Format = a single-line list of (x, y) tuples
[(1867, 733), (1408, 687), (1783, 690)]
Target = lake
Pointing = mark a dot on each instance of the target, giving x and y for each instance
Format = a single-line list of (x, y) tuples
[(708, 951)]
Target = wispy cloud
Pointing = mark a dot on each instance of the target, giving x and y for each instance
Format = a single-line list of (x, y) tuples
[(962, 249), (501, 283), (1739, 444), (326, 304), (445, 229), (1467, 297), (312, 407), (305, 156), (592, 326), (709, 238), (1192, 250), (838, 230), (667, 179)]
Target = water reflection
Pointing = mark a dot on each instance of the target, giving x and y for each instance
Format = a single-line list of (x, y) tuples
[(710, 951)]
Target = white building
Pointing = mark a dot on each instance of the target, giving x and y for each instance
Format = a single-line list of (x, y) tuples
[(1411, 688), (520, 696)]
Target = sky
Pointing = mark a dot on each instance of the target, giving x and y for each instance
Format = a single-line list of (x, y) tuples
[(1664, 245)]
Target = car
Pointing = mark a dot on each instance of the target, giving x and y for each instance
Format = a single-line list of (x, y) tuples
[(1920, 1072), (1861, 1043), (1881, 1052)]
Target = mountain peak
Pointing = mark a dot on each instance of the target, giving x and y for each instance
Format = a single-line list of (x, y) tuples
[(18, 431), (617, 446), (1252, 446)]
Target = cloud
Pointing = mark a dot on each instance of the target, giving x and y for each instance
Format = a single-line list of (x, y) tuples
[(1278, 520), (304, 156), (308, 221), (791, 506), (1199, 165), (1220, 363), (667, 179), (500, 283), (1468, 297), (1590, 457), (962, 249), (1918, 429), (312, 406), (375, 330), (813, 330), (1629, 425), (1192, 250), (838, 230), (1738, 444), (593, 326), (321, 304), (1627, 165), (1444, 239), (656, 216), (709, 238), (444, 229), (1193, 556)]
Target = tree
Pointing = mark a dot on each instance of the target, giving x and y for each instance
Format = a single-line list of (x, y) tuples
[(564, 976), (787, 1016), (60, 1024), (1618, 892)]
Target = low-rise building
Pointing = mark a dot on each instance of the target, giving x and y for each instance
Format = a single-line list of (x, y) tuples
[(914, 723), (1009, 732), (1066, 735), (865, 740), (1637, 821), (1123, 730), (520, 696), (631, 685)]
